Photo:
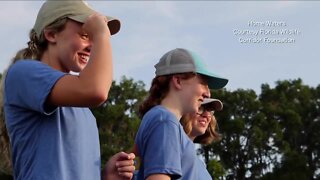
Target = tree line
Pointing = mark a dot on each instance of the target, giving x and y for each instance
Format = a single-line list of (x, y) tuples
[(271, 135)]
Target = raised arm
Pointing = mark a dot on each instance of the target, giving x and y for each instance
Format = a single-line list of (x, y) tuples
[(91, 87)]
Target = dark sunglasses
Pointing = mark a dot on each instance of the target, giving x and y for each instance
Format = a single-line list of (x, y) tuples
[(202, 109)]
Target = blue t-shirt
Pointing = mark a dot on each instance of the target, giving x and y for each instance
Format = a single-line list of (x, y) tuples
[(47, 142), (203, 172), (164, 147)]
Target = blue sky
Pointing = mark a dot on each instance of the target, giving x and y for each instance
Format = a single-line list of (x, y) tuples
[(220, 32)]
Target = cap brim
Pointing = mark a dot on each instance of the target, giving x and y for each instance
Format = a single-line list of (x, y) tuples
[(113, 24), (217, 82), (212, 104), (214, 81)]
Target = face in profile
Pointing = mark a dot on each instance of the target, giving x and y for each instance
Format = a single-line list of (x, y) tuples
[(194, 90)]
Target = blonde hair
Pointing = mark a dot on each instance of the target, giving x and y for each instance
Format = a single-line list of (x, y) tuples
[(34, 51), (36, 47), (208, 137)]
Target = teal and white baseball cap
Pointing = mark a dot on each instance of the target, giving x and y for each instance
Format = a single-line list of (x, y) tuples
[(184, 61)]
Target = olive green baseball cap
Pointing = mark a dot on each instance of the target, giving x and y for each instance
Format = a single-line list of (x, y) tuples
[(183, 61), (76, 10)]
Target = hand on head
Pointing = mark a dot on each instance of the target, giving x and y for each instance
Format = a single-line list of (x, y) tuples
[(96, 25)]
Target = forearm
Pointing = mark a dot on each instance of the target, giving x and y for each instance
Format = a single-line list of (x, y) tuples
[(98, 72)]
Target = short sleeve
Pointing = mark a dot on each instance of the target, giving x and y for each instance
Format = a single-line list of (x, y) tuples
[(162, 152), (28, 84)]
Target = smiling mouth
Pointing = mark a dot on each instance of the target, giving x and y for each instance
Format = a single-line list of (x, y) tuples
[(84, 58), (202, 123)]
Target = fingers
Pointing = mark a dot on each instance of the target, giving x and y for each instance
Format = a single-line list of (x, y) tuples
[(126, 171), (96, 25), (125, 166), (126, 175), (120, 166), (125, 156), (131, 156)]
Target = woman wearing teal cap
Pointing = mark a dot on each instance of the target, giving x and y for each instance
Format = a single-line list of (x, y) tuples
[(181, 84), (52, 132)]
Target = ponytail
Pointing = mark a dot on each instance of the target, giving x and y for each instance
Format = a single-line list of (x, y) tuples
[(34, 51), (158, 90), (37, 46), (5, 153)]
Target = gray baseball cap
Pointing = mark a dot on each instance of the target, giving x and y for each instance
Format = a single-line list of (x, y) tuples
[(212, 104), (183, 61), (76, 10)]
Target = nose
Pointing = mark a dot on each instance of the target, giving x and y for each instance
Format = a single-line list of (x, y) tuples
[(206, 113), (88, 46), (88, 49), (206, 93)]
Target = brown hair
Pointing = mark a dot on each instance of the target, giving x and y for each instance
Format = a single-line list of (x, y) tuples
[(34, 51), (208, 137), (160, 87), (36, 47), (5, 153)]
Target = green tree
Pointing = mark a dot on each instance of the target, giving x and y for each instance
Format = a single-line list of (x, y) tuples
[(271, 136), (117, 119), (296, 108), (244, 150)]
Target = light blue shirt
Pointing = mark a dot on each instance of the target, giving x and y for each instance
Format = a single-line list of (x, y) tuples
[(164, 147), (58, 143), (203, 172)]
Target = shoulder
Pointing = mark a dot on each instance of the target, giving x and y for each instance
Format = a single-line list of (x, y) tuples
[(31, 69), (161, 115), (30, 74), (158, 120), (26, 65)]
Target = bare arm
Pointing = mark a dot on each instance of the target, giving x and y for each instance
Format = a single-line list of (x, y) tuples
[(91, 87)]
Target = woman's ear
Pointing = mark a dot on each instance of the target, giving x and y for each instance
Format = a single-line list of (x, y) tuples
[(176, 81), (50, 35)]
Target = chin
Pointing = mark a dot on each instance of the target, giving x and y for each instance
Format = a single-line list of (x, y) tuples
[(78, 69), (195, 109)]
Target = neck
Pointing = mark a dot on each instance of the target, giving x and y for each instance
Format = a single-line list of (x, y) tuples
[(49, 59), (173, 105), (192, 137)]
